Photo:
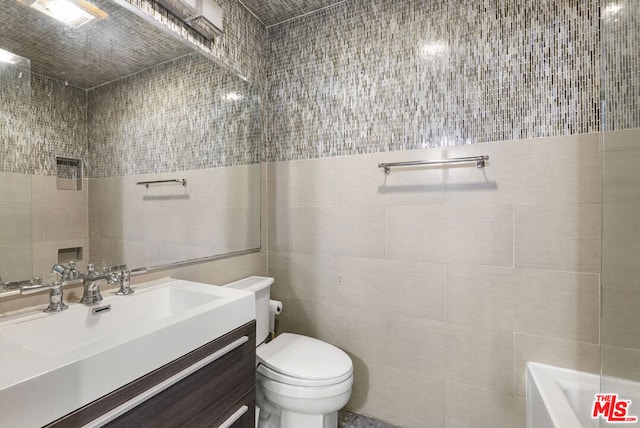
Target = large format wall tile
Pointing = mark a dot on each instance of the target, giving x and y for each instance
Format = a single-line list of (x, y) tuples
[(468, 406), (619, 362), (60, 220), (547, 303), (455, 297), (451, 234), (620, 243), (15, 226), (558, 237), (620, 314)]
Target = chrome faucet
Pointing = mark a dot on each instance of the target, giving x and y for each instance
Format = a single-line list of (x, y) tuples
[(72, 272), (91, 284), (55, 294)]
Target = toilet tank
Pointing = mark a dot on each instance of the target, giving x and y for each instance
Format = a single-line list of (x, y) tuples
[(261, 287)]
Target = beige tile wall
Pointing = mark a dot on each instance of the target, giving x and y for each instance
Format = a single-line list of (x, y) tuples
[(441, 283), (217, 212), (621, 255), (15, 226), (60, 220)]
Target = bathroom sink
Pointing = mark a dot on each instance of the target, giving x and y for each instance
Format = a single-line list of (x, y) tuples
[(79, 328), (55, 363)]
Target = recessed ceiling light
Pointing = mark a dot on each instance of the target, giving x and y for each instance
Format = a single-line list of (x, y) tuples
[(8, 58), (71, 12)]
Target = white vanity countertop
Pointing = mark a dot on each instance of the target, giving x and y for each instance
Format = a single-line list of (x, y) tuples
[(52, 364)]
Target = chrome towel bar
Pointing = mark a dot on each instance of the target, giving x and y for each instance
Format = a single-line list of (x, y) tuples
[(479, 160), (175, 180)]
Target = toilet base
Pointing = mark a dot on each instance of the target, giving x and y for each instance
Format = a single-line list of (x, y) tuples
[(273, 415), (288, 419), (291, 420)]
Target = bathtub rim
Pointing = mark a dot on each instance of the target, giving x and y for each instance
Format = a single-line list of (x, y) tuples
[(545, 380)]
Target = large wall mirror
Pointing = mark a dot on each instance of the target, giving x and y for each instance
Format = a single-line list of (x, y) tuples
[(88, 113)]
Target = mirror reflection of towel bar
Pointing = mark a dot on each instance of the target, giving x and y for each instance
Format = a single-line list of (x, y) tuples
[(479, 160), (175, 180)]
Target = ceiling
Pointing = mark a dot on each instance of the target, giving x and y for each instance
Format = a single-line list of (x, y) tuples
[(91, 55), (272, 12), (117, 46)]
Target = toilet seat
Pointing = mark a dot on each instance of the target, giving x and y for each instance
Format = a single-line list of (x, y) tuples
[(303, 361), (296, 381), (289, 392)]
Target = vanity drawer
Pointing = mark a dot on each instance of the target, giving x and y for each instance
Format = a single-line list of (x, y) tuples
[(241, 415), (210, 394)]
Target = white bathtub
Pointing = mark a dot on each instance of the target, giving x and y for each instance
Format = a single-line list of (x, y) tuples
[(563, 398)]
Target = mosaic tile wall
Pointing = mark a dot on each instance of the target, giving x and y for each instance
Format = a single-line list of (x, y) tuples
[(15, 98), (241, 47), (59, 118), (275, 11), (174, 117), (59, 123), (374, 76), (128, 131), (621, 60)]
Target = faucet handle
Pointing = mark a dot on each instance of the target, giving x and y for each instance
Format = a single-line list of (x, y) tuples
[(73, 272), (55, 298), (59, 270), (125, 284), (113, 277), (104, 268), (55, 294)]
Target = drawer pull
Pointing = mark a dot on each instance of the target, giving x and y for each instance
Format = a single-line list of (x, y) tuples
[(156, 389), (233, 418)]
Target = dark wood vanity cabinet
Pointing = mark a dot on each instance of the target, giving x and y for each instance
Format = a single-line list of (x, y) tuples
[(221, 393)]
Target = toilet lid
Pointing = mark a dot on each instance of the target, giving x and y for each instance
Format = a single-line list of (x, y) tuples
[(304, 357)]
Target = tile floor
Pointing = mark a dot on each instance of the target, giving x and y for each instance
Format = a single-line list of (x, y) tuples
[(347, 419)]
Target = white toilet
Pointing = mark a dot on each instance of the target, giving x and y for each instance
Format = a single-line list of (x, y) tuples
[(301, 382)]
